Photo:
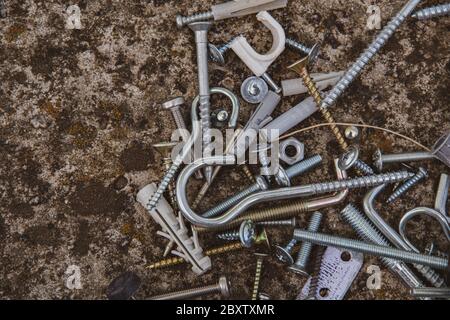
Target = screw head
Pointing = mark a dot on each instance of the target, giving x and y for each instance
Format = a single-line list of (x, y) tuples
[(351, 132), (225, 287), (200, 26), (215, 55), (283, 255), (254, 89), (176, 102), (179, 20), (298, 270), (282, 178), (348, 158), (423, 172), (164, 148), (247, 233), (377, 160)]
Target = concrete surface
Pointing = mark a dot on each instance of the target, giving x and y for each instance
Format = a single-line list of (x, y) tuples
[(80, 109)]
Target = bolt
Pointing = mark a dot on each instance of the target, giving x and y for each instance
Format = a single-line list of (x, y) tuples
[(279, 223), (262, 238), (300, 67), (383, 251), (368, 54), (201, 40), (246, 234), (431, 12), (259, 262), (301, 263), (284, 253), (369, 233), (351, 132), (381, 159), (182, 21), (222, 287), (421, 174), (298, 46)]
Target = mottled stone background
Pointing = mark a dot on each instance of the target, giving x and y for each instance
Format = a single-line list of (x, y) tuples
[(80, 110)]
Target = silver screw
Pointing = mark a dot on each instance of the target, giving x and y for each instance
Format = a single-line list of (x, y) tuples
[(291, 43), (368, 55), (283, 176), (261, 184), (369, 233), (350, 158), (182, 21), (432, 12), (201, 40), (278, 223), (301, 263), (421, 174), (349, 244), (284, 253), (381, 159), (222, 287), (246, 234)]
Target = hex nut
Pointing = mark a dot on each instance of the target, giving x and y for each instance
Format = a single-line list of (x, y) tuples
[(299, 148)]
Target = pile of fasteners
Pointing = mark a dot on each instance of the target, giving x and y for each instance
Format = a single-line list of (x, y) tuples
[(331, 271)]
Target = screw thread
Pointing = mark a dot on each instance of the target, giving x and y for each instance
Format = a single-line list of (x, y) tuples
[(306, 247), (303, 166), (257, 279), (368, 55), (167, 162), (369, 233), (211, 252), (361, 182), (407, 185), (188, 293), (297, 46), (290, 246), (277, 223), (231, 201), (164, 184), (349, 244), (178, 117), (248, 173), (229, 236), (432, 12), (202, 16), (363, 167)]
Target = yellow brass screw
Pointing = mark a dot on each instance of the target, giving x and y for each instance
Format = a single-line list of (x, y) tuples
[(300, 67), (234, 246), (259, 261)]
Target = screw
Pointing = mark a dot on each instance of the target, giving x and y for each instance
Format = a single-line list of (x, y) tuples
[(246, 233), (369, 233), (279, 223), (164, 149), (264, 296), (283, 176), (259, 262), (222, 287), (351, 132), (432, 12), (298, 46), (368, 55), (421, 174), (182, 21), (284, 253), (305, 250), (436, 293), (349, 244), (262, 238), (201, 40), (300, 67), (349, 159), (381, 159), (261, 184)]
